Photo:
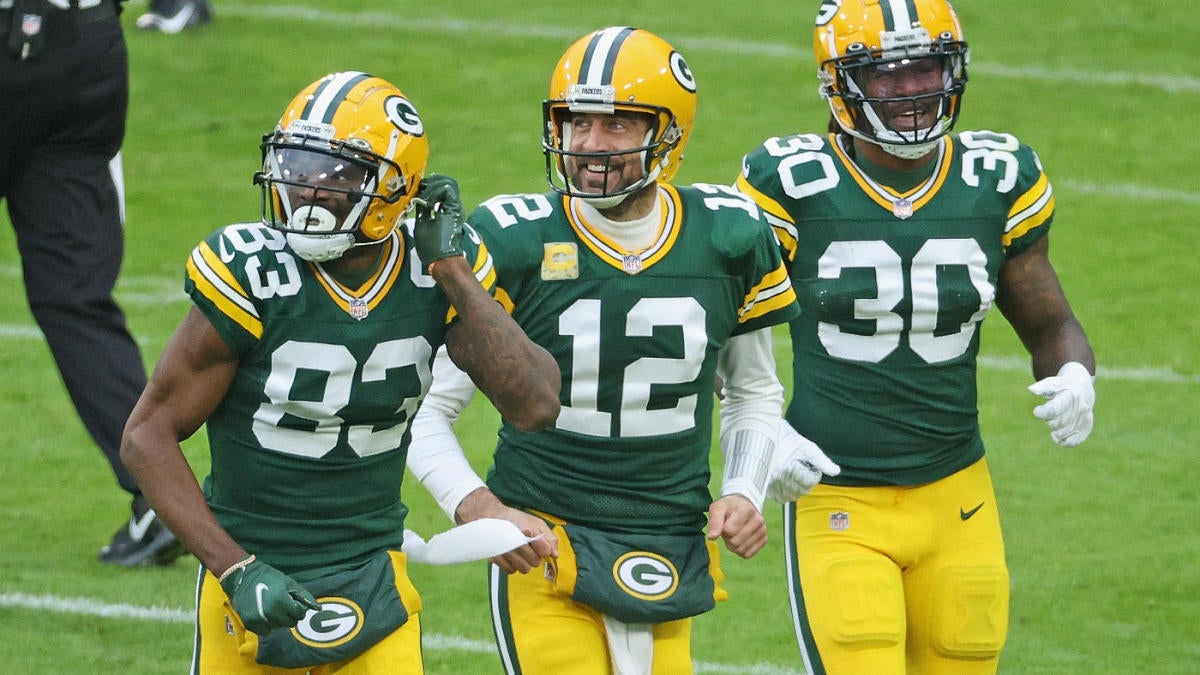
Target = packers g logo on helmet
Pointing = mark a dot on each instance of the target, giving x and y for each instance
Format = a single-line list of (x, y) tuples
[(827, 11), (404, 115), (852, 35), (620, 69), (360, 130)]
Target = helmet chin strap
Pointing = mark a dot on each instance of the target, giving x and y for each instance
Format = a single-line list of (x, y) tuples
[(910, 151), (602, 203), (320, 248)]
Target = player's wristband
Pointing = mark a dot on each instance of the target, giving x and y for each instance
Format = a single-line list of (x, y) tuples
[(747, 464), (241, 564)]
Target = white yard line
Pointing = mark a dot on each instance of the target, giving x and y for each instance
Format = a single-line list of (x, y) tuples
[(1157, 375), (1171, 83)]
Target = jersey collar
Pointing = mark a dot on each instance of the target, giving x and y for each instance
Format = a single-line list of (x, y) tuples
[(607, 250)]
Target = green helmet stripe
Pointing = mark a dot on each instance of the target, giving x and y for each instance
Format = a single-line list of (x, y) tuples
[(324, 102), (899, 14), (600, 58)]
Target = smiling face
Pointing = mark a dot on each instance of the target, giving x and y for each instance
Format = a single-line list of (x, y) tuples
[(906, 95), (606, 151)]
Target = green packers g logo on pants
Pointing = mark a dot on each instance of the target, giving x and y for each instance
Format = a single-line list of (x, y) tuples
[(337, 623), (646, 575)]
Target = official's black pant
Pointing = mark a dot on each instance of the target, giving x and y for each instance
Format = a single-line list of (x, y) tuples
[(62, 120)]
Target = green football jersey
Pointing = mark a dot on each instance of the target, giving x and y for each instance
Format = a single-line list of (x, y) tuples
[(636, 336), (892, 289), (309, 444)]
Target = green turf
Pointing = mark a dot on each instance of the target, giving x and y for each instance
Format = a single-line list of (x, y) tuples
[(1102, 540)]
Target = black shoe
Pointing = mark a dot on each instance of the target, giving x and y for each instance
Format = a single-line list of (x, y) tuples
[(173, 16), (143, 541)]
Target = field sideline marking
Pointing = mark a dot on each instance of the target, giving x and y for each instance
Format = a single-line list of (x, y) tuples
[(431, 641), (1128, 191), (1171, 83)]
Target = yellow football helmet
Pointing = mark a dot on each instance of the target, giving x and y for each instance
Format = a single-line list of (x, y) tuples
[(853, 37), (360, 142), (627, 69)]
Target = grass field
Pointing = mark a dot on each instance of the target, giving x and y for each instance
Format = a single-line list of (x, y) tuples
[(1103, 540)]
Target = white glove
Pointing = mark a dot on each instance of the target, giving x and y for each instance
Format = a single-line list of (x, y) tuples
[(1068, 411), (797, 466)]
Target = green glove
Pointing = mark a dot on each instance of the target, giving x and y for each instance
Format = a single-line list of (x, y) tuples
[(264, 597), (439, 226)]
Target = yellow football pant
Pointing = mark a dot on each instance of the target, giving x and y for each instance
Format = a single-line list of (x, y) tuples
[(543, 632), (225, 647), (899, 580)]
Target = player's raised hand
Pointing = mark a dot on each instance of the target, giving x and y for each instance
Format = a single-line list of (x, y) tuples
[(439, 226)]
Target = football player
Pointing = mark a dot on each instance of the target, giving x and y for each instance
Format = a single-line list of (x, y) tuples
[(307, 353), (643, 292), (900, 236)]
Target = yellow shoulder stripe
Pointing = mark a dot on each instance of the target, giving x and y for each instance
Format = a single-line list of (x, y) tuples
[(774, 292), (1030, 210), (769, 205), (214, 281)]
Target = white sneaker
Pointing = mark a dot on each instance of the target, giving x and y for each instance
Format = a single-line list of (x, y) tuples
[(174, 16)]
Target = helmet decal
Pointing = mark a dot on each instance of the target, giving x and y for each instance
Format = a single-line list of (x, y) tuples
[(828, 10), (683, 74), (404, 115)]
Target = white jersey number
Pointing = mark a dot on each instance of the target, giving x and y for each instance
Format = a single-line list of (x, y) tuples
[(338, 366), (933, 255), (582, 323), (249, 239)]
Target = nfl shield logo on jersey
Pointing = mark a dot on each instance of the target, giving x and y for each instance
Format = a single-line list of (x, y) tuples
[(839, 521), (358, 308), (31, 24), (632, 263)]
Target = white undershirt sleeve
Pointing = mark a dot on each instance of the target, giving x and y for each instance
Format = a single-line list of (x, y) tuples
[(435, 456)]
